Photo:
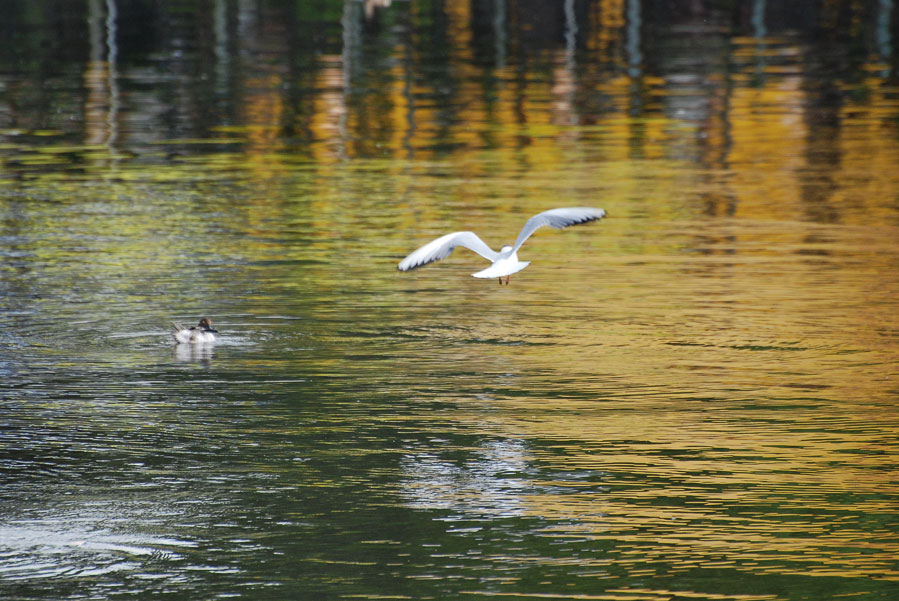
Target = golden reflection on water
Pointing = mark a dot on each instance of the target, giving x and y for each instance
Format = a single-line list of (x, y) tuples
[(727, 382)]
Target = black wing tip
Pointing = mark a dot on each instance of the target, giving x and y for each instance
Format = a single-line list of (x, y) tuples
[(588, 214), (411, 267), (584, 219), (600, 214)]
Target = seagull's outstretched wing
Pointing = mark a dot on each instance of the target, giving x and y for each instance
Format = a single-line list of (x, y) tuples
[(557, 218), (443, 246)]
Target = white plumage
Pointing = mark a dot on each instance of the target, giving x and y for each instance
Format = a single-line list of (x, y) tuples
[(505, 262), (202, 333)]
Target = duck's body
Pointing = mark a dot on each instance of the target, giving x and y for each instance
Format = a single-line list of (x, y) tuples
[(202, 333), (505, 262)]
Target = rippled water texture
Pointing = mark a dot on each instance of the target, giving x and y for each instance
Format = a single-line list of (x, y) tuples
[(695, 398)]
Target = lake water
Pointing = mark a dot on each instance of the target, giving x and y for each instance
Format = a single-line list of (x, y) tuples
[(696, 398)]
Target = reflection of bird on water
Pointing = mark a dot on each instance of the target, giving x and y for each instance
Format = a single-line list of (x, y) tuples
[(201, 333), (505, 262)]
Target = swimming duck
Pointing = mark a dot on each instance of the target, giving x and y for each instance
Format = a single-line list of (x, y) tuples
[(202, 333)]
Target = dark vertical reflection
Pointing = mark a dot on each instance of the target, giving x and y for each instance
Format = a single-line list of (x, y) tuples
[(221, 47), (112, 57), (822, 113), (759, 29), (499, 33), (191, 73), (884, 34)]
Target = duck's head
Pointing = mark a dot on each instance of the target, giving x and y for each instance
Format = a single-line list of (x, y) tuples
[(206, 325)]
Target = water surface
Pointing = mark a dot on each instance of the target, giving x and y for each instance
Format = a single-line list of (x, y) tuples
[(693, 399)]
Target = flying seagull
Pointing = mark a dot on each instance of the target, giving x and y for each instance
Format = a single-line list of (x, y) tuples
[(505, 262)]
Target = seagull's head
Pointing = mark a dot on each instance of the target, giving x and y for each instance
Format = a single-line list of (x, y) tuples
[(505, 250)]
